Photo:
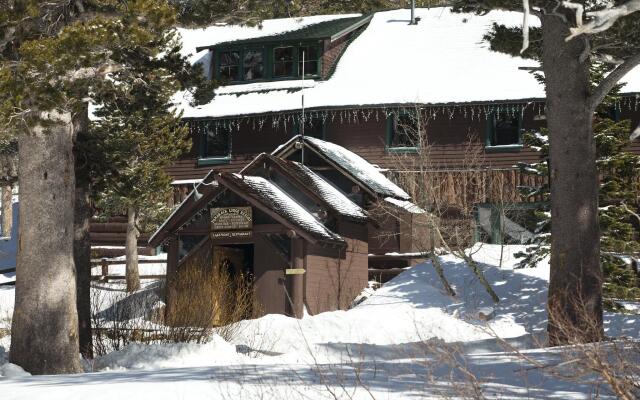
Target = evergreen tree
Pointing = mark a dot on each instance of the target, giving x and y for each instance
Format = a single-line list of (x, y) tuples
[(136, 137), (566, 47), (54, 56), (618, 199)]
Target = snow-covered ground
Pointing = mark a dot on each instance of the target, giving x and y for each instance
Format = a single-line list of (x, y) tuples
[(384, 348)]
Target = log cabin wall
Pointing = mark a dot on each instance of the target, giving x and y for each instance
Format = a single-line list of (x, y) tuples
[(450, 142)]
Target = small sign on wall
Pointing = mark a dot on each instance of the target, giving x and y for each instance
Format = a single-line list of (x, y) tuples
[(231, 218), (231, 222)]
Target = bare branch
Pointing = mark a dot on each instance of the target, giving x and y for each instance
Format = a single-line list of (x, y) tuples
[(612, 79), (601, 20)]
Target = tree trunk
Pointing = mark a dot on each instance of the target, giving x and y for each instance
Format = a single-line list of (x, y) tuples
[(7, 210), (575, 286), (82, 258), (44, 332), (82, 241), (131, 251)]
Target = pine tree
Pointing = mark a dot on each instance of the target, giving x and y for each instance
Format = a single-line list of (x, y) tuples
[(138, 136), (54, 56), (618, 200), (566, 47)]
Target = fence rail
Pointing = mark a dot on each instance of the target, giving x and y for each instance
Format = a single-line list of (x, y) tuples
[(104, 269)]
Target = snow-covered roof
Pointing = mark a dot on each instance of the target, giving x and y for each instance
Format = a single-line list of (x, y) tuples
[(442, 60), (405, 205), (220, 33), (331, 195), (282, 204), (363, 171)]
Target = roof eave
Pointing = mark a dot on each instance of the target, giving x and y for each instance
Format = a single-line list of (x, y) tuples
[(365, 20), (221, 178)]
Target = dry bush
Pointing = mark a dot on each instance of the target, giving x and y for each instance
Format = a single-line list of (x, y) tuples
[(449, 195), (209, 299)]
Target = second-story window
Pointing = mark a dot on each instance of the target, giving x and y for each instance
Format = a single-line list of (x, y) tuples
[(503, 130), (230, 65), (403, 132), (310, 60), (216, 142), (253, 65), (283, 61)]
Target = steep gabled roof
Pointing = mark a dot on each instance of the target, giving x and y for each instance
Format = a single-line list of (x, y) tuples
[(355, 167), (321, 189), (331, 29), (206, 186), (264, 194)]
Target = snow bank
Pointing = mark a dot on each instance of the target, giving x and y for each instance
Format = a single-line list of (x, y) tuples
[(175, 355), (12, 371)]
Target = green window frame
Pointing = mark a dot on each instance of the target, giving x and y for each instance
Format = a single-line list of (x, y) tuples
[(284, 65), (398, 139), (215, 143), (311, 60), (503, 131), (228, 65), (253, 65), (256, 65), (238, 65)]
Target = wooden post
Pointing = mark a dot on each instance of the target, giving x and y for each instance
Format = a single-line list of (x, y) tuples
[(295, 279), (105, 270), (170, 291)]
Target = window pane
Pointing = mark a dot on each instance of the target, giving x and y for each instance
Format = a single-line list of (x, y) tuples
[(283, 61), (253, 65), (405, 132), (230, 65), (310, 60), (507, 130), (217, 141)]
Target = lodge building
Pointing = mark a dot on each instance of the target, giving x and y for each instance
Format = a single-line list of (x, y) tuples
[(296, 221), (371, 94)]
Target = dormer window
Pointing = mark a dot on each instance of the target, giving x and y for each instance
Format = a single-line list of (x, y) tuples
[(265, 62), (311, 58), (283, 61), (253, 65), (229, 66)]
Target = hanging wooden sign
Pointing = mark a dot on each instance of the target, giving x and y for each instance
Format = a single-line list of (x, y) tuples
[(224, 219)]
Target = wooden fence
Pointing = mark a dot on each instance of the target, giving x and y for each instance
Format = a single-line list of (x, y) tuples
[(105, 276)]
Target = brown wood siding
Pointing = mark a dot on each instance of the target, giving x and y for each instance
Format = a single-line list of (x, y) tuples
[(268, 270), (450, 141), (331, 283)]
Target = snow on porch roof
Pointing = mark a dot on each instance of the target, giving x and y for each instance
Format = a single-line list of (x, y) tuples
[(332, 196), (442, 60), (357, 167), (274, 199)]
